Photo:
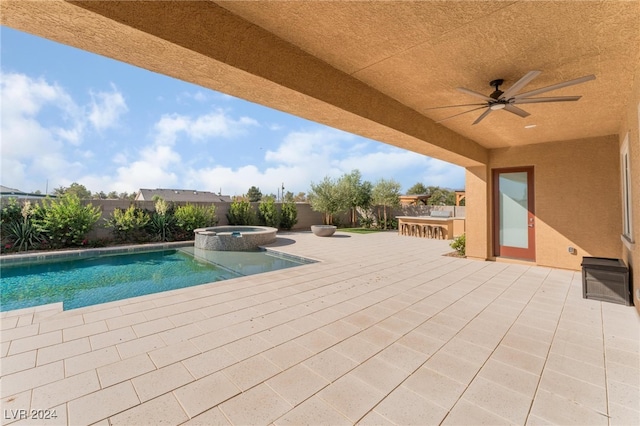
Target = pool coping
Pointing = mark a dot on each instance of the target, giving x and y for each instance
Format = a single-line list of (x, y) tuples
[(24, 258)]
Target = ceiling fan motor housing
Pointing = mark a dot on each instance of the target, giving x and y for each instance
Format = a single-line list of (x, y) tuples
[(496, 83)]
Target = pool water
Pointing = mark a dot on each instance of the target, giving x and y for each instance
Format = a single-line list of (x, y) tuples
[(85, 282)]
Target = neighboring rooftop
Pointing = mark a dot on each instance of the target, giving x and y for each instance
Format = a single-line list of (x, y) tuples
[(182, 195), (16, 193)]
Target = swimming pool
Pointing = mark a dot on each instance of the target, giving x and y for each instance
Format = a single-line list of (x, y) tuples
[(105, 278)]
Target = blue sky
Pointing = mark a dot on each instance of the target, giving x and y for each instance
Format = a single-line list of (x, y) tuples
[(72, 116)]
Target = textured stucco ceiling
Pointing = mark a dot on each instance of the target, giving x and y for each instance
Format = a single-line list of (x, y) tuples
[(375, 68), (419, 52)]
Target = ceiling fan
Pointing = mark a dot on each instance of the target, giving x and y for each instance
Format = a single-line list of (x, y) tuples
[(508, 99)]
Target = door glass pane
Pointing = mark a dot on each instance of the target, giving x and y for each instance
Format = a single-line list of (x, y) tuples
[(513, 210)]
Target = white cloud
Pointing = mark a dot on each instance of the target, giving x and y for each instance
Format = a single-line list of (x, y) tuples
[(106, 108), (216, 124)]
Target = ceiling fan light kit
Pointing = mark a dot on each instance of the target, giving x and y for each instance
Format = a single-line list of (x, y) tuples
[(508, 99)]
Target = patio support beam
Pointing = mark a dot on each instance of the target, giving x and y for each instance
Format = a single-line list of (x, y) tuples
[(477, 229), (205, 44)]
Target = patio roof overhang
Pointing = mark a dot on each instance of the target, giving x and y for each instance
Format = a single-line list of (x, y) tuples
[(374, 68)]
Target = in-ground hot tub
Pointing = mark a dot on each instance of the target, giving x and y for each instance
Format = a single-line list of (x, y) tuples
[(234, 238)]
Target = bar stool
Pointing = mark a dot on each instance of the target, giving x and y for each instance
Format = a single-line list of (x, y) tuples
[(413, 229), (427, 231), (438, 232), (404, 229)]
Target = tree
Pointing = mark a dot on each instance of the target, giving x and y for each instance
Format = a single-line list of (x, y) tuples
[(74, 189), (441, 197), (300, 197), (254, 195), (386, 193), (113, 195), (100, 195), (354, 193), (417, 189), (324, 197), (268, 213)]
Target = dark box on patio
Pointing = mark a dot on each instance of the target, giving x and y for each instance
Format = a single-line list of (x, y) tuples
[(606, 280)]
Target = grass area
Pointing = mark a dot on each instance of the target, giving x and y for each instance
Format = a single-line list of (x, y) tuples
[(360, 230)]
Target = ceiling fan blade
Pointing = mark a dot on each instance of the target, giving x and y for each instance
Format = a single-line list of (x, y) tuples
[(538, 100), (519, 84), (517, 111), (482, 116), (476, 94), (555, 86), (471, 110), (453, 106)]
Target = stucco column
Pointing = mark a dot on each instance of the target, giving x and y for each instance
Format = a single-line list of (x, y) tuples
[(477, 212)]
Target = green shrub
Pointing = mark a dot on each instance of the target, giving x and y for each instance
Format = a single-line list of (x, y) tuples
[(288, 215), (162, 220), (22, 232), (65, 222), (11, 211), (241, 213), (190, 217), (130, 225), (366, 222), (268, 213), (459, 245)]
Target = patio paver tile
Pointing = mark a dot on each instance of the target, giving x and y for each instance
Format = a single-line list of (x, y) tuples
[(140, 346), (465, 410), (259, 405), (313, 411), (32, 378), (102, 404), (12, 405), (85, 330), (205, 393), (498, 400), (61, 323), (373, 418), (330, 364), (163, 380), (510, 377), (63, 350), (90, 360), (297, 384), (435, 387), (589, 373), (61, 391), (19, 332), (210, 417), (35, 342), (173, 353), (251, 371), (19, 362), (112, 337), (404, 407), (163, 410), (380, 374), (351, 396), (575, 390), (558, 410), (288, 354), (519, 359), (124, 370), (209, 362)]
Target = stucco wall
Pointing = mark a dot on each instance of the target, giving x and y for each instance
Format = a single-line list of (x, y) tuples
[(630, 125), (577, 197)]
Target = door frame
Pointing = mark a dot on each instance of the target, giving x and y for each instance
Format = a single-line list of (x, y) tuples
[(515, 252)]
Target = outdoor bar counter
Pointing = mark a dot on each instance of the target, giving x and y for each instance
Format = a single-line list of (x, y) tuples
[(451, 226)]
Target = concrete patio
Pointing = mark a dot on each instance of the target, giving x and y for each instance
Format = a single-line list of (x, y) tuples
[(384, 330)]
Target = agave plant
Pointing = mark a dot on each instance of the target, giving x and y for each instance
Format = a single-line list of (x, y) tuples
[(23, 232)]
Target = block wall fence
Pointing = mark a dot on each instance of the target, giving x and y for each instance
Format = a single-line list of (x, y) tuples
[(306, 216)]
